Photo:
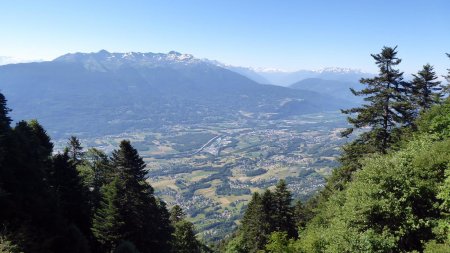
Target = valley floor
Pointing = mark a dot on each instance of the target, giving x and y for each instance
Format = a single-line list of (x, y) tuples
[(211, 170)]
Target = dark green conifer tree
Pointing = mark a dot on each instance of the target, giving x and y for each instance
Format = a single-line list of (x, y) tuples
[(283, 211), (74, 150), (254, 225), (268, 210), (95, 171), (184, 239), (176, 214), (29, 212), (72, 196), (386, 107), (5, 128), (135, 196), (142, 219), (426, 90), (5, 132), (45, 147), (164, 227), (300, 215), (107, 222)]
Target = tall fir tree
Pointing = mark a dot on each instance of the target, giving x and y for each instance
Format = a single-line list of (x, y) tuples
[(257, 223), (164, 227), (386, 107), (426, 90), (183, 237), (135, 196), (268, 210), (5, 128), (253, 225), (144, 221), (107, 222), (74, 150), (283, 211), (184, 240), (300, 215), (95, 170), (72, 196)]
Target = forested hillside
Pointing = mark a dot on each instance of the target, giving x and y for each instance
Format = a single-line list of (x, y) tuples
[(391, 192), (80, 201)]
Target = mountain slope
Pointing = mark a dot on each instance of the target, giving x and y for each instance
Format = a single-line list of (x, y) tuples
[(102, 93), (339, 89)]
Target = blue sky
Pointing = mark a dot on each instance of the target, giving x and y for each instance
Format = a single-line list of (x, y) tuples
[(280, 34)]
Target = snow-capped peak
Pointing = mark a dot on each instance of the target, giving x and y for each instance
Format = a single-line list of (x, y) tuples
[(270, 70), (337, 70), (104, 60)]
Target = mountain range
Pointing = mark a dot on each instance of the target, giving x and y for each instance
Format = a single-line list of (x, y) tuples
[(104, 93), (287, 78)]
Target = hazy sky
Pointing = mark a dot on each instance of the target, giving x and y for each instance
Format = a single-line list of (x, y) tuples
[(280, 34)]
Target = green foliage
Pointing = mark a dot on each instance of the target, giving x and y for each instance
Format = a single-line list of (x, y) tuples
[(7, 246), (390, 205), (184, 238), (444, 192), (436, 121), (434, 247), (387, 203), (442, 230), (279, 243), (236, 245)]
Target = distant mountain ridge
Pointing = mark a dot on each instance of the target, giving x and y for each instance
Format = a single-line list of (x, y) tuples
[(286, 78), (4, 60), (339, 89), (104, 60), (103, 93)]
